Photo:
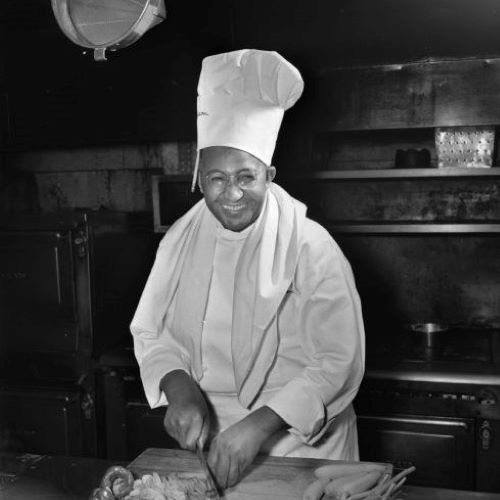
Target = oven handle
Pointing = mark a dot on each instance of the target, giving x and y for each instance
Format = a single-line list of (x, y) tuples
[(405, 420)]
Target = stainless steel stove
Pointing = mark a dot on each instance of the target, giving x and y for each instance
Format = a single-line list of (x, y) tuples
[(437, 409)]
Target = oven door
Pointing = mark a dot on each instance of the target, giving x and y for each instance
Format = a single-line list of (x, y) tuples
[(439, 448), (37, 291), (45, 303)]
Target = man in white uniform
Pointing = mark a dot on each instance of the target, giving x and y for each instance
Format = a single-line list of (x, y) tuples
[(250, 326)]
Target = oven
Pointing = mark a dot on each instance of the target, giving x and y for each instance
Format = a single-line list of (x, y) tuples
[(431, 305), (64, 300), (45, 301), (443, 417), (437, 446)]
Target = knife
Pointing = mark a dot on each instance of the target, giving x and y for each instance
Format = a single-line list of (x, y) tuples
[(212, 491)]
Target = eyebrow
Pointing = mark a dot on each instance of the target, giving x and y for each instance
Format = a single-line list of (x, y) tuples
[(243, 170)]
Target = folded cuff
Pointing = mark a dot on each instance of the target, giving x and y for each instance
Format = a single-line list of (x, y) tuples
[(153, 368), (302, 408)]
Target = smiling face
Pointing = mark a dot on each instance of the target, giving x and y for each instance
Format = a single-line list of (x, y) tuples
[(234, 184)]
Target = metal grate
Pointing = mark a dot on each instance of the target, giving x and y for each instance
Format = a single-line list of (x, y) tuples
[(465, 146), (103, 21)]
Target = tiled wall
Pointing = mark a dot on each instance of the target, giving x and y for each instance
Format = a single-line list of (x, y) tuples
[(113, 178)]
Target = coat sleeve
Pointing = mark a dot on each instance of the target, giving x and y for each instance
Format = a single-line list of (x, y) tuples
[(157, 357), (156, 350), (331, 337)]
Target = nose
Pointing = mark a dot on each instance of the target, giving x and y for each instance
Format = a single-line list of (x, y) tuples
[(233, 191)]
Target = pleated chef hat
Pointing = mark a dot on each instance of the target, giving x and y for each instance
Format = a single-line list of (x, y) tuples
[(242, 96)]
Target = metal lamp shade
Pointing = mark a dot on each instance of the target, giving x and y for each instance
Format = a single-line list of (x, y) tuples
[(107, 24)]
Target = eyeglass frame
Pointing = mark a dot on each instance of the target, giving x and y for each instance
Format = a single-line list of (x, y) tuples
[(227, 179)]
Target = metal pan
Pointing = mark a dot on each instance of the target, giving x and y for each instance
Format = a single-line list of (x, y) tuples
[(426, 334), (107, 24)]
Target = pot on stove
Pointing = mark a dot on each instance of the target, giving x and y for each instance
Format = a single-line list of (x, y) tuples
[(426, 338)]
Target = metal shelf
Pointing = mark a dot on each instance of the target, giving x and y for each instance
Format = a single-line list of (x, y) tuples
[(386, 173), (412, 228), (402, 173)]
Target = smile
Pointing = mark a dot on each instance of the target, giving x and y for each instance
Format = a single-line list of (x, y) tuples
[(233, 208)]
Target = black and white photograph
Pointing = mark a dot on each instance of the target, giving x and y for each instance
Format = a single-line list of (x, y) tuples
[(249, 249)]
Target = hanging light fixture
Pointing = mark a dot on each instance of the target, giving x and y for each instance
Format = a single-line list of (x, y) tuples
[(104, 25)]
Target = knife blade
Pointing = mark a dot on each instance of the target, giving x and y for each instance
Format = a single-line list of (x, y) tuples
[(212, 491)]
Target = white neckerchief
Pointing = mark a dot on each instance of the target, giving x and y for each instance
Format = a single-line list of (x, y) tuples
[(264, 273)]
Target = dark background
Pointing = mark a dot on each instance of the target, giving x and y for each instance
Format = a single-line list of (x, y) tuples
[(54, 94), (86, 137), (76, 133)]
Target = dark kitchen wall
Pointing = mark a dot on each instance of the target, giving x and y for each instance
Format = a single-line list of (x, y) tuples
[(76, 133), (350, 32)]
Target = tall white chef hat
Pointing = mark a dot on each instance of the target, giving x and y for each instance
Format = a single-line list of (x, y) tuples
[(242, 96)]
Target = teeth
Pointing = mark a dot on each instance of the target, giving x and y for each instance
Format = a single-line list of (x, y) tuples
[(233, 208)]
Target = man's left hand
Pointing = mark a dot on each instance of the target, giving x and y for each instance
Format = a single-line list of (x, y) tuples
[(234, 449)]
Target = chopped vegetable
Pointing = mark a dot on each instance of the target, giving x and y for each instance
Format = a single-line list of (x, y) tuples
[(172, 487), (388, 492), (341, 470), (102, 494), (380, 490), (316, 489), (119, 480), (342, 488)]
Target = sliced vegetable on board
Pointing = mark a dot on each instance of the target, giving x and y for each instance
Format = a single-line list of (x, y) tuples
[(356, 481), (119, 480), (316, 489), (342, 488), (339, 470)]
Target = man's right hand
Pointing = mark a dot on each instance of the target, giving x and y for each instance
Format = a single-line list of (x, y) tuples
[(187, 418)]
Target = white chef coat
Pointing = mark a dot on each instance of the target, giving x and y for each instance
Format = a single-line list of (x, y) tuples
[(217, 362), (319, 363)]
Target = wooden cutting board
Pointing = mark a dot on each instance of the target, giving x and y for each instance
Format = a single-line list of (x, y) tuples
[(268, 478)]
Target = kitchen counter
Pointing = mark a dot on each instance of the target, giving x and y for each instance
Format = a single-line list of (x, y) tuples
[(35, 477)]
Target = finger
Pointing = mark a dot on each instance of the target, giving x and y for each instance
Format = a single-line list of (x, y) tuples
[(191, 439), (178, 434), (205, 432), (212, 455), (171, 429), (177, 428), (221, 468), (193, 433), (212, 461), (166, 421), (235, 468), (224, 466)]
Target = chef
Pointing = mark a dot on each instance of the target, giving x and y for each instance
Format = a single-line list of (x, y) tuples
[(249, 329)]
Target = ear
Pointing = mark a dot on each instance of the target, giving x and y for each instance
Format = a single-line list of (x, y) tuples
[(270, 174), (199, 173)]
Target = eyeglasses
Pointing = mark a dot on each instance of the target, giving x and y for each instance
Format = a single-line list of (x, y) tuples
[(220, 181)]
